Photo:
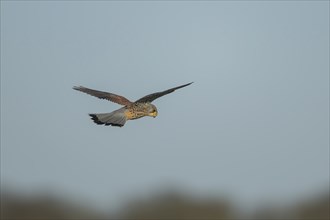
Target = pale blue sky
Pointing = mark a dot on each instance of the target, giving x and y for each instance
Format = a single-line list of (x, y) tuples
[(254, 125)]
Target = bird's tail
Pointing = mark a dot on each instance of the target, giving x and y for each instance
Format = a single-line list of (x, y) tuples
[(115, 118)]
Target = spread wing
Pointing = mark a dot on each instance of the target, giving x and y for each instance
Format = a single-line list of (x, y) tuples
[(104, 95), (153, 96)]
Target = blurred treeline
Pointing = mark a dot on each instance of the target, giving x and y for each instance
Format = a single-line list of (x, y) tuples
[(162, 205)]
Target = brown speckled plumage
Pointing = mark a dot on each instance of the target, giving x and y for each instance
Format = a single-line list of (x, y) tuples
[(136, 110)]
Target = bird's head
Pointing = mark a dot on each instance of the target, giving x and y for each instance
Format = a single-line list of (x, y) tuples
[(152, 110)]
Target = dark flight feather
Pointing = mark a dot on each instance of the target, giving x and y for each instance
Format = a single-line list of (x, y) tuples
[(104, 95), (153, 96)]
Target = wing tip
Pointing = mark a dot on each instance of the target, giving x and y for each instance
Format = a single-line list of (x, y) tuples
[(77, 87), (179, 87)]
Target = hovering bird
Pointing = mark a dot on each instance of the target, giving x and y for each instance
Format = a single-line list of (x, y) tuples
[(131, 110)]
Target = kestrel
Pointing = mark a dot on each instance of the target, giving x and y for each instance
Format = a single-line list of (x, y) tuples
[(131, 110)]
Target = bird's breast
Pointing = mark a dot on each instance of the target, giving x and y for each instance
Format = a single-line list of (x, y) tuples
[(135, 112)]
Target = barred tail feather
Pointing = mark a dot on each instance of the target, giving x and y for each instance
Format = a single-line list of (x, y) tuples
[(115, 118)]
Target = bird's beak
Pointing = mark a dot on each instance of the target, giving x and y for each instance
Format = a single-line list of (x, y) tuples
[(154, 114)]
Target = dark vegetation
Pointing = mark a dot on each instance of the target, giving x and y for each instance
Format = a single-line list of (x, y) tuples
[(166, 205)]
